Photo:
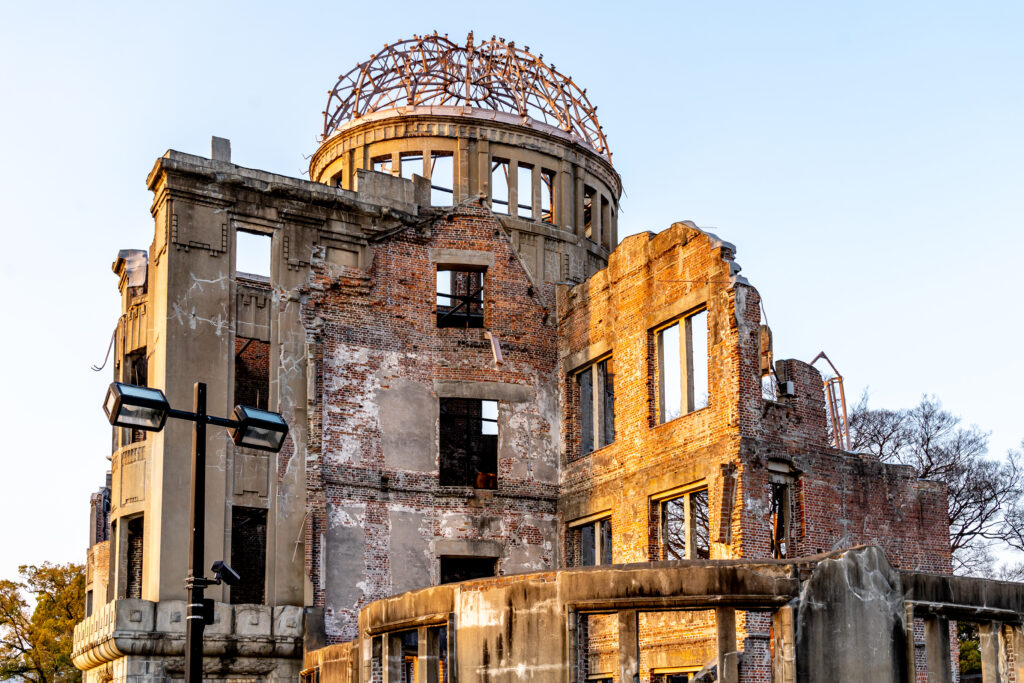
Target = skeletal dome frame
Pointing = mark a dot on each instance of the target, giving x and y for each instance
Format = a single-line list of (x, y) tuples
[(434, 71)]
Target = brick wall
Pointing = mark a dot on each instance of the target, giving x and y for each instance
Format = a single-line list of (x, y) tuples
[(736, 446), (373, 331)]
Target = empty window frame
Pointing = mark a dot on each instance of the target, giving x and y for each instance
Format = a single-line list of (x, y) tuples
[(382, 164), (685, 532), (442, 179), (460, 298), (595, 387), (135, 553), (606, 223), (135, 370), (590, 543), (252, 255), (779, 513), (468, 443), (499, 186), (410, 164), (252, 372), (455, 569), (547, 196), (249, 554), (589, 197), (682, 349), (524, 191)]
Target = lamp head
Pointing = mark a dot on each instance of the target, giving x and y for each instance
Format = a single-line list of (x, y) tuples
[(135, 407)]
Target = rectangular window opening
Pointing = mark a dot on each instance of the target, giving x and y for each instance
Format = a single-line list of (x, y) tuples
[(455, 569), (468, 443), (382, 164), (249, 554), (411, 163), (598, 638), (133, 585), (135, 370), (437, 654), (499, 186), (252, 255), (460, 298), (682, 349), (524, 191), (252, 372), (590, 544), (595, 386), (547, 196), (409, 655), (606, 224), (685, 527), (779, 509), (442, 179), (589, 194)]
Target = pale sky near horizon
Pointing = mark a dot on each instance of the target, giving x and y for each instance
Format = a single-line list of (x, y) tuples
[(867, 159)]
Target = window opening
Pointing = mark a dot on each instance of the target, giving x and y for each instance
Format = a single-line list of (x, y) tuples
[(409, 655), (596, 387), (685, 527), (460, 298), (249, 554), (133, 585), (779, 515), (683, 367), (524, 191), (88, 603), (136, 371), (547, 196), (410, 163), (591, 543), (598, 638), (252, 372), (499, 186), (469, 443), (252, 255), (442, 179), (606, 224), (588, 212), (455, 569), (437, 654), (382, 164)]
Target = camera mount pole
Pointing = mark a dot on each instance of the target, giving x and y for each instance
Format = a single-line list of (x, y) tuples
[(195, 623)]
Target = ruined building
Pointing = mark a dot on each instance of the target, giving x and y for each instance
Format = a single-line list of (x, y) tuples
[(520, 449)]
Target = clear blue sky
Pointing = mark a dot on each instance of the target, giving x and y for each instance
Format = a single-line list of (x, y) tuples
[(866, 158)]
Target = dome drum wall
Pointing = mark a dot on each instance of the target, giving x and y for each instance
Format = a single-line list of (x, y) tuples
[(564, 224)]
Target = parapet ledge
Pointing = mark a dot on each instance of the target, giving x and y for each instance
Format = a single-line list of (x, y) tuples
[(400, 205), (142, 627)]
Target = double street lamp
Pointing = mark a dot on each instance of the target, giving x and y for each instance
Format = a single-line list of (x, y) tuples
[(135, 407)]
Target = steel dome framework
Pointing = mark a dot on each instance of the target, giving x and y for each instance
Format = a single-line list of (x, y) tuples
[(434, 71)]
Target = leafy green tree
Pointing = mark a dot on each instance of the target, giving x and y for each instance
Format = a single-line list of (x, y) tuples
[(35, 642)]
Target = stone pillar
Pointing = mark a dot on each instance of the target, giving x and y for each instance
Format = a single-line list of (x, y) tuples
[(426, 664), (908, 631), (784, 657), (728, 659), (391, 658), (629, 646), (536, 209), (578, 218), (595, 218), (993, 653), (513, 188), (460, 172), (936, 648)]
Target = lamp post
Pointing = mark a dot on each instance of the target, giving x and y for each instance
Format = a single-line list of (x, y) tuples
[(135, 407)]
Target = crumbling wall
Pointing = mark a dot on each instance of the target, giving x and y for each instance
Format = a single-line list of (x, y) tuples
[(380, 519)]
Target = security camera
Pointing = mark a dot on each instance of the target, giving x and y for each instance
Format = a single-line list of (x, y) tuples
[(224, 573)]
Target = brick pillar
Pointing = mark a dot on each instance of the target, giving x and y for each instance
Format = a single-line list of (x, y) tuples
[(808, 400)]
